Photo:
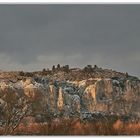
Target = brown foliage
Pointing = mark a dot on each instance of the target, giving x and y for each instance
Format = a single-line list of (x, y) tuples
[(77, 127)]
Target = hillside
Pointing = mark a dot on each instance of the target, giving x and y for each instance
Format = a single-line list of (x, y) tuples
[(89, 94)]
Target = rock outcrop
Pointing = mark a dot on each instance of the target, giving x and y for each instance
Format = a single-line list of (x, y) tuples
[(55, 95)]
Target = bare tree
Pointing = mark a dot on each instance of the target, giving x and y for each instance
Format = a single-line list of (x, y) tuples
[(14, 112)]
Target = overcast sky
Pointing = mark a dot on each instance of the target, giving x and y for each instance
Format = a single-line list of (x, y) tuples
[(33, 37)]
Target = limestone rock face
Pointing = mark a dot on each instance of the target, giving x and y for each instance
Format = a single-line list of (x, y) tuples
[(8, 93), (117, 95), (60, 99), (53, 98), (89, 98), (72, 102)]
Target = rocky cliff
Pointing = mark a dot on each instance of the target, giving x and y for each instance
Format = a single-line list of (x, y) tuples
[(79, 93)]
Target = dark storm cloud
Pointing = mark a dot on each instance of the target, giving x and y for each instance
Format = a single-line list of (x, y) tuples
[(37, 36)]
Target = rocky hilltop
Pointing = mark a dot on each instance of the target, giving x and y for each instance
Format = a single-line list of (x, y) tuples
[(87, 93)]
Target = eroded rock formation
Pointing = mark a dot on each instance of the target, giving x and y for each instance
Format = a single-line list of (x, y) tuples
[(49, 95)]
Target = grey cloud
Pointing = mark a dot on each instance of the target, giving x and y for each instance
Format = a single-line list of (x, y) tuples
[(37, 36)]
